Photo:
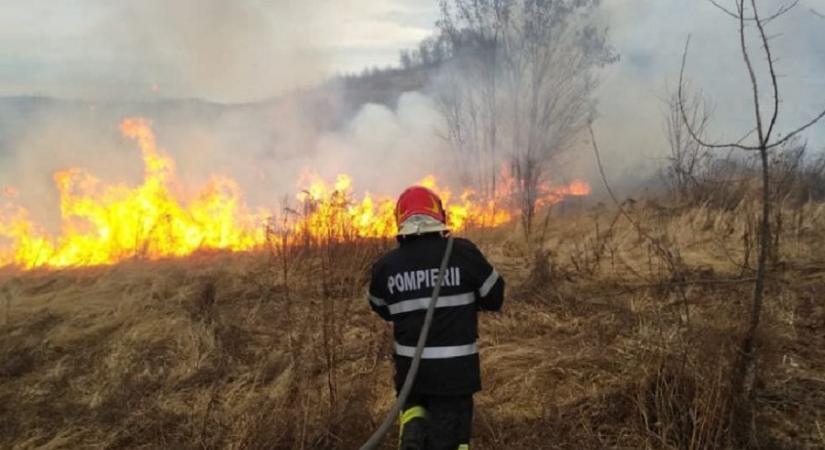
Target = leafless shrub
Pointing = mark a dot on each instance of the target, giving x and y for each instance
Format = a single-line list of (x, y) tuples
[(688, 160), (800, 177), (521, 77), (590, 253)]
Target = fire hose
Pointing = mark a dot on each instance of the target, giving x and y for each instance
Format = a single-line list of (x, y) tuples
[(379, 434)]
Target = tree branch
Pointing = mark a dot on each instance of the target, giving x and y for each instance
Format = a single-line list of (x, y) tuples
[(746, 135), (689, 127), (725, 10), (781, 11), (766, 47), (754, 84), (797, 131)]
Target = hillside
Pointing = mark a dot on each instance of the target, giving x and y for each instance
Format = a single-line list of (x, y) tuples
[(329, 105), (600, 344)]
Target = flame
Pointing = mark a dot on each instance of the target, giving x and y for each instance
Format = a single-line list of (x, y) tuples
[(549, 195), (470, 210), (103, 224), (330, 212)]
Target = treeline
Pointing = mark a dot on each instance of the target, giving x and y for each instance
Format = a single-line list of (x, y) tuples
[(431, 52)]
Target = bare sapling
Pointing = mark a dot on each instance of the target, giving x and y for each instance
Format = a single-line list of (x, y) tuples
[(748, 17)]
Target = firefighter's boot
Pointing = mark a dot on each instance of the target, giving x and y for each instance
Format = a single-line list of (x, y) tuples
[(413, 433)]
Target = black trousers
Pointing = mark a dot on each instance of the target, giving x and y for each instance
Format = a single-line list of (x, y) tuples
[(430, 422)]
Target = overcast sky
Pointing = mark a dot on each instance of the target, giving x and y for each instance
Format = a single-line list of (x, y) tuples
[(242, 50), (249, 49), (221, 50)]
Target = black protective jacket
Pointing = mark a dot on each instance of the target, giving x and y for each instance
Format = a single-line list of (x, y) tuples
[(400, 291)]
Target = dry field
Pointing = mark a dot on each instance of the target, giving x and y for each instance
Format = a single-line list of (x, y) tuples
[(607, 340)]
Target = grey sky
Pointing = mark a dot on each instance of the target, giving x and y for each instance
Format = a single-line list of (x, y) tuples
[(650, 36), (220, 50), (245, 50)]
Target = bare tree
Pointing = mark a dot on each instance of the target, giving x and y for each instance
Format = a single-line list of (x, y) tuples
[(552, 51), (749, 18), (521, 77), (469, 99)]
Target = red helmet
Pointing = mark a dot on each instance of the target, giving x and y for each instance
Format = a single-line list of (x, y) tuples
[(419, 201)]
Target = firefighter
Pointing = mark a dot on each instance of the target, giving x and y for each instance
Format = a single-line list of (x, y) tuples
[(438, 413)]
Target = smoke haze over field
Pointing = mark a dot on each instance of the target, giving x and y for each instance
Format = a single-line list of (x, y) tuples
[(124, 59), (244, 58), (270, 148)]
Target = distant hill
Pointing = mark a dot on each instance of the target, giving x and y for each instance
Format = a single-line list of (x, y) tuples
[(329, 104), (383, 86)]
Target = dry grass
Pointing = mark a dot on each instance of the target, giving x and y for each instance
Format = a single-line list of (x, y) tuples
[(600, 345)]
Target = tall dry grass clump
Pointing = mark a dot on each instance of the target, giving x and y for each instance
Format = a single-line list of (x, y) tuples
[(206, 352)]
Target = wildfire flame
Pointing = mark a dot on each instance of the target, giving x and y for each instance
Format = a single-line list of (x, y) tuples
[(103, 224)]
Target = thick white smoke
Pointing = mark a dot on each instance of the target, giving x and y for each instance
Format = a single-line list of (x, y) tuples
[(267, 148)]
